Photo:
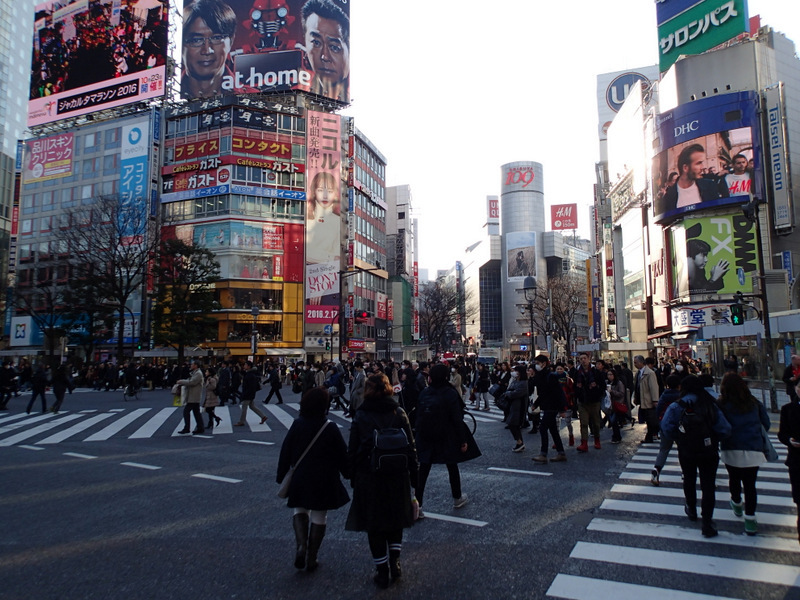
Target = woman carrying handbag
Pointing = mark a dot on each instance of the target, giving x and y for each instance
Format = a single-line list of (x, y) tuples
[(313, 456)]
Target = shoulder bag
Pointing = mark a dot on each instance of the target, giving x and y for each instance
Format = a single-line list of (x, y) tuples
[(283, 491)]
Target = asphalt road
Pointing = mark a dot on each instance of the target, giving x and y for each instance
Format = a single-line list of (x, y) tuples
[(105, 501)]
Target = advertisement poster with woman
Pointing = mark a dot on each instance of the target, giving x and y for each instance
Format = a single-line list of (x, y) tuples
[(521, 255), (713, 255), (242, 46), (323, 217)]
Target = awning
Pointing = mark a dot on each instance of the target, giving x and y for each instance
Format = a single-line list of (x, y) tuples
[(656, 336)]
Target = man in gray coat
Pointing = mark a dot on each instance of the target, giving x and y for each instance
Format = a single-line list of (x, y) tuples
[(357, 387), (194, 396), (646, 397)]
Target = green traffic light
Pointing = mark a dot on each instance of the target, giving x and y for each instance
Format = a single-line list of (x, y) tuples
[(737, 314)]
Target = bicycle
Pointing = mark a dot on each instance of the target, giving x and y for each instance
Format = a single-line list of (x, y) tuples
[(131, 392)]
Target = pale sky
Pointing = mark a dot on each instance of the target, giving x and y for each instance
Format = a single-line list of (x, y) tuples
[(450, 90)]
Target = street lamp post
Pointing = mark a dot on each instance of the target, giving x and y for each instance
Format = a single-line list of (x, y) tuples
[(255, 311), (529, 288)]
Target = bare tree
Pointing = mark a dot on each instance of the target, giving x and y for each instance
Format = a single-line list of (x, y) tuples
[(557, 303), (186, 275), (113, 243), (442, 308)]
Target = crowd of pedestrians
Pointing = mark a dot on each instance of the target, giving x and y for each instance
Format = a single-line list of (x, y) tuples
[(413, 412)]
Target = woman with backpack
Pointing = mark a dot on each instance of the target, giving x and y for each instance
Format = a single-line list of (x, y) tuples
[(382, 479), (743, 452), (695, 422)]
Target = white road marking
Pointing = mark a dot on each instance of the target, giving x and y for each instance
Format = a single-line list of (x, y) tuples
[(673, 492), (459, 520), (148, 429), (257, 442), (78, 455), (226, 422), (87, 411), (28, 421), (24, 435), (586, 588), (141, 466), (117, 426), (676, 510), (707, 566), (216, 478), (254, 421), (519, 471), (284, 418), (674, 532), (676, 468), (75, 429), (762, 485), (30, 447)]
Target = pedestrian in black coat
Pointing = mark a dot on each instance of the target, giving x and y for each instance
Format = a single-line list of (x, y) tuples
[(789, 436), (381, 502), (315, 487), (441, 434)]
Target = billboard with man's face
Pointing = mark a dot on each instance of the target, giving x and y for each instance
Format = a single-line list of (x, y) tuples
[(239, 47), (90, 55), (708, 154)]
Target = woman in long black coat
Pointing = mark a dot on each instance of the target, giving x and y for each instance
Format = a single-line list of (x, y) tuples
[(382, 503), (315, 487), (441, 435)]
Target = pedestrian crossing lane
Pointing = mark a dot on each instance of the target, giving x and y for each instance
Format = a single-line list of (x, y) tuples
[(95, 426), (644, 525)]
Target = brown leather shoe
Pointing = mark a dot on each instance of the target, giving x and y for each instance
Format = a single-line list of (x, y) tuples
[(238, 424)]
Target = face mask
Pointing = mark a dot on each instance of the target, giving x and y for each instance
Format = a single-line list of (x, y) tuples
[(514, 374), (679, 368), (452, 370), (538, 366)]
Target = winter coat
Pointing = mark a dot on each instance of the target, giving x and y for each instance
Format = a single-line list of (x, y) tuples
[(440, 426), (250, 384), (549, 394), (381, 502), (668, 397), (647, 388), (482, 381), (194, 387), (315, 484), (517, 395), (790, 429), (357, 389), (745, 427), (211, 393), (669, 424), (585, 392)]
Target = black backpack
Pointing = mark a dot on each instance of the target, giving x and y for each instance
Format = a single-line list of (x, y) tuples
[(695, 431), (392, 451)]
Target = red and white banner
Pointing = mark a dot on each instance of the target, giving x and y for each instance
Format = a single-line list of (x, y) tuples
[(563, 216)]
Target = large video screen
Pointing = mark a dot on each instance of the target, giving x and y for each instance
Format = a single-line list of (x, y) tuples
[(89, 55), (236, 47), (708, 155)]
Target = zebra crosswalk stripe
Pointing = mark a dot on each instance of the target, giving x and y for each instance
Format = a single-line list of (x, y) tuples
[(117, 426), (29, 433), (75, 429), (148, 429), (748, 570), (576, 587)]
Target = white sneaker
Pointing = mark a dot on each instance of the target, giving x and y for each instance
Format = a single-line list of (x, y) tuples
[(460, 502), (421, 515)]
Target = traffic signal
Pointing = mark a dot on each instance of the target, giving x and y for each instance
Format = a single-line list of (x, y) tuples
[(327, 345), (527, 334), (361, 316), (737, 314)]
